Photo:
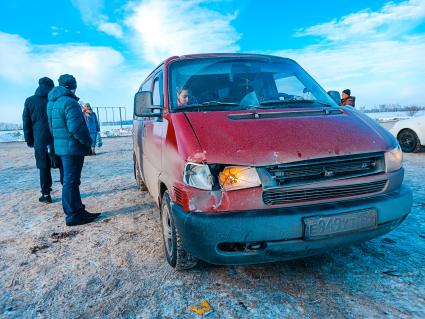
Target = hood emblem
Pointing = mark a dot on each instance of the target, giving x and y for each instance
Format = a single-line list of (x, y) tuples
[(329, 173)]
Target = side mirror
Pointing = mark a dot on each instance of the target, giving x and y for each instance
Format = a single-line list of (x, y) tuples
[(335, 96), (143, 105)]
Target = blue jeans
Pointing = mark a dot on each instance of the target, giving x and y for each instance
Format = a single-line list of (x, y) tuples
[(71, 171), (93, 139)]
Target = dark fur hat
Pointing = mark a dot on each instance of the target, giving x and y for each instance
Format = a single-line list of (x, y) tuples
[(45, 81)]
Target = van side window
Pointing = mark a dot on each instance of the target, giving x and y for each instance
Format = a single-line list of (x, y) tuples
[(157, 94), (147, 85)]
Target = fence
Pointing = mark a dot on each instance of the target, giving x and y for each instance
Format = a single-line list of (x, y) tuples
[(115, 115)]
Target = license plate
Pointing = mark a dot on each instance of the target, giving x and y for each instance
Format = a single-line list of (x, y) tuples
[(324, 226)]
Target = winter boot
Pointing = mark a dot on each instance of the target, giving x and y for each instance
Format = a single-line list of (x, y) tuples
[(45, 199)]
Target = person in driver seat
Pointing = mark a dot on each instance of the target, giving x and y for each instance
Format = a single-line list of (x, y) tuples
[(182, 96)]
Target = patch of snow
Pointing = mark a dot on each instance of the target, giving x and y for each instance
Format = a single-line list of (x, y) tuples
[(12, 136), (105, 131), (392, 116)]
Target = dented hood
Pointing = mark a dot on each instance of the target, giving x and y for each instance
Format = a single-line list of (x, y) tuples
[(244, 138)]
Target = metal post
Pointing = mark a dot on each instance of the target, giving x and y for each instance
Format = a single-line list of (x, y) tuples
[(113, 116), (107, 120), (120, 117)]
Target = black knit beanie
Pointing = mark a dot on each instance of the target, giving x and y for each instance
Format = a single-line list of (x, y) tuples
[(67, 81)]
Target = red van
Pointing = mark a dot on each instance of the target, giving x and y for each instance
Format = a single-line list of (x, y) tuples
[(251, 161)]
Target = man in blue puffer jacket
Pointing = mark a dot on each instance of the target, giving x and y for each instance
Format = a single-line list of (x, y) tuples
[(71, 142)]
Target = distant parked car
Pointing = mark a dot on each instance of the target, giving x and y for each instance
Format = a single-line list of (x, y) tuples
[(410, 133)]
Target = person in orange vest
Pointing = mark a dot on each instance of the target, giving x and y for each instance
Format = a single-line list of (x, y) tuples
[(347, 99)]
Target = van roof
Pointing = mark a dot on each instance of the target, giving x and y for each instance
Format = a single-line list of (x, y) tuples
[(211, 55)]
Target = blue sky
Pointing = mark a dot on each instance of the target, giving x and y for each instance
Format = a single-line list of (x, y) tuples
[(376, 48)]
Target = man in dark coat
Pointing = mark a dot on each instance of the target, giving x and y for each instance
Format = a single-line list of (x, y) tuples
[(72, 142), (37, 134)]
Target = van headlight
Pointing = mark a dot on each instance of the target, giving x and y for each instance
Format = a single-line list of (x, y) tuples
[(198, 176), (393, 159), (238, 177)]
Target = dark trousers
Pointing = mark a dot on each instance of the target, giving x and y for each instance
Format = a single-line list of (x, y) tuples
[(43, 164), (71, 171), (45, 181)]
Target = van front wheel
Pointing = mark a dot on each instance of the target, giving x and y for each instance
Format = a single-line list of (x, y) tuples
[(175, 253)]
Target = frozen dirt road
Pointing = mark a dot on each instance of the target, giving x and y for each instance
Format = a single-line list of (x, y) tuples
[(116, 267)]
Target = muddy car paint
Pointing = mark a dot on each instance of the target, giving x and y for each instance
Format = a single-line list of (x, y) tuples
[(163, 146)]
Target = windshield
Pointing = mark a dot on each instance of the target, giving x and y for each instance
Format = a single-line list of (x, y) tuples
[(242, 83)]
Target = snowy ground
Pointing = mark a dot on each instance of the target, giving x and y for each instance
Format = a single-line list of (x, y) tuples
[(106, 131), (116, 267), (393, 116)]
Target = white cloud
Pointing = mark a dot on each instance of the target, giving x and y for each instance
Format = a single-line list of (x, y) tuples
[(20, 60), (113, 29), (370, 53), (379, 72), (102, 76), (91, 12), (391, 21), (159, 29), (166, 28)]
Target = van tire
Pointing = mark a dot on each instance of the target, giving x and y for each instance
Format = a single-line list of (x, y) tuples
[(409, 141), (175, 253), (138, 177)]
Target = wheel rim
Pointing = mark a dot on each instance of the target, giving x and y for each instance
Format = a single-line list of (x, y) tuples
[(167, 230), (407, 141)]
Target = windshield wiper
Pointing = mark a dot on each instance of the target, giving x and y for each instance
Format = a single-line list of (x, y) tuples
[(206, 105), (219, 103), (288, 102)]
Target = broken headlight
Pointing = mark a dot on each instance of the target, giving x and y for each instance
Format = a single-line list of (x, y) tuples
[(198, 176)]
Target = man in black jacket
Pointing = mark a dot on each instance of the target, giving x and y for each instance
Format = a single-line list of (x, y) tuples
[(37, 134)]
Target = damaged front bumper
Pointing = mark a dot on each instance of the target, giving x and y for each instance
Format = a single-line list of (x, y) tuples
[(258, 236)]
